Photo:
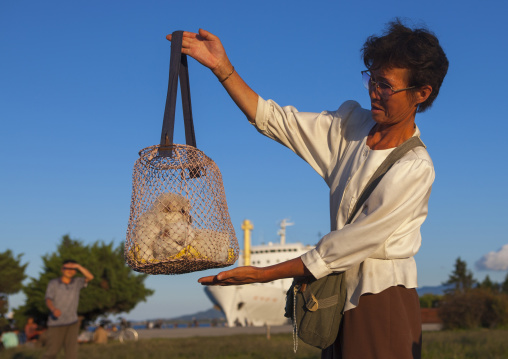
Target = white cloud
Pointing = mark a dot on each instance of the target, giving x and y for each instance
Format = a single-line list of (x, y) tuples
[(494, 260)]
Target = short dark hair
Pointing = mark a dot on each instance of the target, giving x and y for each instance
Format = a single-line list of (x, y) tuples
[(68, 261), (417, 50)]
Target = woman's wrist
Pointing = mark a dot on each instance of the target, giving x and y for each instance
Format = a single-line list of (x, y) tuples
[(223, 71), (228, 76)]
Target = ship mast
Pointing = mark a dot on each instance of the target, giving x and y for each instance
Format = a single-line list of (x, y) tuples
[(282, 231), (247, 226)]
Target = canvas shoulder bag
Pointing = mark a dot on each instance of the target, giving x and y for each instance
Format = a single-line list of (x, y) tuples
[(316, 306)]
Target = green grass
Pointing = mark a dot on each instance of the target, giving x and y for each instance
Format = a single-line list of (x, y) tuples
[(482, 344)]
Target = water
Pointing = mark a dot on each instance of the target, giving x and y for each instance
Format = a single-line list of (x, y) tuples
[(171, 326), (163, 326)]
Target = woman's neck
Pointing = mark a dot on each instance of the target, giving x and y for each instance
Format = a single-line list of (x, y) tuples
[(383, 137)]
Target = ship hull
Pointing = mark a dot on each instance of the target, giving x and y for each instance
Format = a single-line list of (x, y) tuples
[(250, 305), (258, 304)]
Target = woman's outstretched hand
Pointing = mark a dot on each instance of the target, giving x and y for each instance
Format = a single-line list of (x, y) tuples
[(207, 49), (237, 276), (246, 275)]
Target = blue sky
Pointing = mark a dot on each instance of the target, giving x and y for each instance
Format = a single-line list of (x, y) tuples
[(83, 88)]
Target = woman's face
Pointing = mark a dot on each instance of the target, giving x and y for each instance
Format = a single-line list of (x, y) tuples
[(397, 108)]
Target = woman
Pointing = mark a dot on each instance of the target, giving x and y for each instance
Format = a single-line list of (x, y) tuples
[(405, 69)]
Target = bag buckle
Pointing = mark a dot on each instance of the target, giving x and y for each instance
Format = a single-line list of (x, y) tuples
[(312, 304)]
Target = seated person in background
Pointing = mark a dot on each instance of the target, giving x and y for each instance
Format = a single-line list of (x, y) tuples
[(100, 336), (31, 331), (9, 338)]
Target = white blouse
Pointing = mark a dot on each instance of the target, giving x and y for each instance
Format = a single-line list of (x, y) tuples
[(377, 248)]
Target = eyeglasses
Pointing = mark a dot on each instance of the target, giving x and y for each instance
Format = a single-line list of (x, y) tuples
[(382, 88)]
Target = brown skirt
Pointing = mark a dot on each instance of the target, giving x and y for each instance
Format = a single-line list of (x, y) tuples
[(383, 325)]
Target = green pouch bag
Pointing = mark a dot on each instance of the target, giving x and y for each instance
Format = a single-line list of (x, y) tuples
[(315, 308)]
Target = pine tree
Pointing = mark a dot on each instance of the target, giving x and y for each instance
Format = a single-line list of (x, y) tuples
[(115, 288), (461, 278), (489, 284), (504, 285), (11, 278)]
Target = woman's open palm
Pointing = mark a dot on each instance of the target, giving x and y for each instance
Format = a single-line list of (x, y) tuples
[(236, 276)]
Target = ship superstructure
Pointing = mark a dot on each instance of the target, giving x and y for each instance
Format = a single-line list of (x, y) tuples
[(261, 303)]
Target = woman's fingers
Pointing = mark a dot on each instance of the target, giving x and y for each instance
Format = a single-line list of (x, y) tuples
[(207, 35), (237, 276), (219, 279), (202, 36), (207, 49), (207, 280), (204, 47), (214, 280)]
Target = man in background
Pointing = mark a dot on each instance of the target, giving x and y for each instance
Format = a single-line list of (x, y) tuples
[(62, 299)]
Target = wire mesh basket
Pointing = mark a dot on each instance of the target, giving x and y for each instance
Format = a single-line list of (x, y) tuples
[(179, 220)]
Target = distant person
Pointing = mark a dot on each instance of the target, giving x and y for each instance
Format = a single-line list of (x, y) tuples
[(9, 338), (404, 69), (124, 324), (85, 336), (100, 336), (32, 331), (62, 299)]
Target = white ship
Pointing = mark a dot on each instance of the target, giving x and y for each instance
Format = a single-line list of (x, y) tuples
[(261, 303)]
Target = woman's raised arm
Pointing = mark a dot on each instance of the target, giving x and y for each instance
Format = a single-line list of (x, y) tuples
[(207, 49)]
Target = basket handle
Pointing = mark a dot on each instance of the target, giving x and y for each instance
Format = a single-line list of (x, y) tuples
[(177, 69)]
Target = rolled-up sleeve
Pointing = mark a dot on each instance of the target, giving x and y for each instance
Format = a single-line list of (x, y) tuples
[(388, 226), (305, 133)]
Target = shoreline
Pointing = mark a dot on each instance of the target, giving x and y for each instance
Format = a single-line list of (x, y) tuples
[(228, 331)]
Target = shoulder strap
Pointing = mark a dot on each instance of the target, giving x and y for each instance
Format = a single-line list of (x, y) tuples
[(393, 157), (177, 69)]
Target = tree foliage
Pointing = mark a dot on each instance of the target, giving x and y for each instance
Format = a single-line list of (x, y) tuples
[(11, 278), (488, 284), (13, 272), (466, 306), (461, 278), (430, 300), (504, 285), (114, 289), (475, 308)]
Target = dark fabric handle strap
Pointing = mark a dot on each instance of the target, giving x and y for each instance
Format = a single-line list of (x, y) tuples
[(389, 161), (177, 69)]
